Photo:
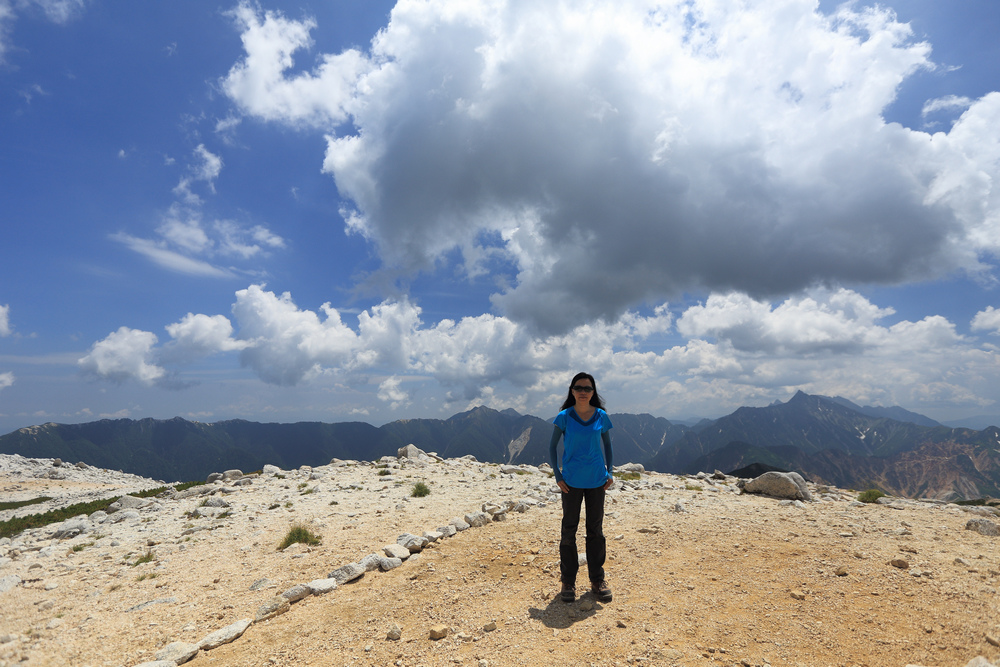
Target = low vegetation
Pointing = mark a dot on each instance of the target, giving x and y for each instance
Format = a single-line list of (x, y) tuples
[(299, 533), (870, 496), (147, 557), (980, 502), (627, 476), (17, 504), (18, 525), (420, 490)]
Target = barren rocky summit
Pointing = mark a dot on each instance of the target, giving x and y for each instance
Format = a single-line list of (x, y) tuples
[(702, 572)]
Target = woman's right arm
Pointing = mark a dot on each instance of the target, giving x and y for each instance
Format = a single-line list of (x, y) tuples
[(554, 456)]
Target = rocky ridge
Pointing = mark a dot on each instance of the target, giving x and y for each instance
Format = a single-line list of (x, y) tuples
[(703, 573)]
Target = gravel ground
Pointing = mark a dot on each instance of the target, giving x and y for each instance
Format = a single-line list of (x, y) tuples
[(730, 580)]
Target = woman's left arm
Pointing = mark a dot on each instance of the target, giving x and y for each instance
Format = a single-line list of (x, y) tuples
[(606, 440)]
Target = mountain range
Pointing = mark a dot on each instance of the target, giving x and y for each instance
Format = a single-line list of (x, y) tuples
[(828, 440)]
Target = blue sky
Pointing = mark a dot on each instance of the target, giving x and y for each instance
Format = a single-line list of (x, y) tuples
[(363, 210)]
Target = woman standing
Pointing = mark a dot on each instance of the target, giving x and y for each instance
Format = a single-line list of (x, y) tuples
[(585, 476)]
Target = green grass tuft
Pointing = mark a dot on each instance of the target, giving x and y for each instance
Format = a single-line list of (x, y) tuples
[(147, 557), (420, 490), (299, 533), (870, 496)]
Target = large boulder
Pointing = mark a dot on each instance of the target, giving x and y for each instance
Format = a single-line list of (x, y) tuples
[(778, 485), (983, 527), (410, 452)]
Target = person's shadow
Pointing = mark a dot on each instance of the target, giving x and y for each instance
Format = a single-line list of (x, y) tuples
[(561, 615)]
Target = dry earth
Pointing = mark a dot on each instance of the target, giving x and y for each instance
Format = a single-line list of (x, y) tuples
[(730, 580)]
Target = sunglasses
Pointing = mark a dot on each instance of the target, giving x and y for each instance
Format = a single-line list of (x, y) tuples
[(580, 388)]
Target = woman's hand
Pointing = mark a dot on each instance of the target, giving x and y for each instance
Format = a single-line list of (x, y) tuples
[(563, 486), (608, 484)]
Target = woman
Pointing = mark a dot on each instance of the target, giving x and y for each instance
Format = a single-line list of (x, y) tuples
[(585, 476)]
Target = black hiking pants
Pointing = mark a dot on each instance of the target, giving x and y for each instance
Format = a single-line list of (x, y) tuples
[(569, 562)]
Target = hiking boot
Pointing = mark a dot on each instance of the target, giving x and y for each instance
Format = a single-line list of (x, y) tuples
[(601, 590), (568, 593)]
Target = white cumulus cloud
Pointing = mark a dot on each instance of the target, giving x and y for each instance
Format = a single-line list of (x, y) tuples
[(259, 85), (729, 350), (6, 380), (642, 149), (987, 320), (390, 392), (199, 336), (5, 321), (123, 355)]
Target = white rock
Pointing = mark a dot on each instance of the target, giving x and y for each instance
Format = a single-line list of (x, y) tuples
[(178, 652), (225, 635), (396, 551), (322, 586), (346, 573)]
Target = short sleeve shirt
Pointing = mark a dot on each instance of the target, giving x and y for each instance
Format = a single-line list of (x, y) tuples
[(583, 464)]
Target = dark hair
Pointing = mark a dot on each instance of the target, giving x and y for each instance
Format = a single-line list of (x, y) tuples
[(595, 399)]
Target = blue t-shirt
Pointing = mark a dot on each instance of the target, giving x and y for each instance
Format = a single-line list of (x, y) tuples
[(583, 461)]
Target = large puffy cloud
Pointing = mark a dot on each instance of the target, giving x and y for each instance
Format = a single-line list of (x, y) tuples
[(259, 85), (638, 149), (199, 336), (728, 351), (123, 355), (841, 321)]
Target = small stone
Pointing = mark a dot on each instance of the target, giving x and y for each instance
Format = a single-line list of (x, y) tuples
[(490, 627), (322, 586), (225, 635), (621, 624), (273, 607), (395, 632), (297, 592), (396, 551), (798, 595), (260, 584), (586, 605), (438, 631), (841, 571), (899, 563), (993, 637), (179, 652), (386, 564), (346, 573)]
